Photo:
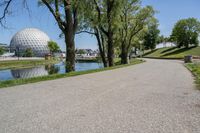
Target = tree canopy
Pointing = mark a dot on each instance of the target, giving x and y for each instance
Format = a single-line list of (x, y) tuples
[(2, 50), (152, 35), (53, 47), (186, 32)]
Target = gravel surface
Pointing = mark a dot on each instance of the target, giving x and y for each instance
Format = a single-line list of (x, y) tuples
[(158, 96)]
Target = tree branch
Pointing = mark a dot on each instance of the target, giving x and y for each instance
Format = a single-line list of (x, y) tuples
[(56, 15), (92, 33)]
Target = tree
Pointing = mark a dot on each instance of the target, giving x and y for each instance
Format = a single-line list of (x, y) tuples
[(186, 32), (107, 13), (100, 20), (53, 47), (91, 24), (133, 21), (28, 53), (2, 50), (152, 35), (66, 14)]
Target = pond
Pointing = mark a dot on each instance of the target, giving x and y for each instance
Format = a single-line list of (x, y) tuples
[(45, 70)]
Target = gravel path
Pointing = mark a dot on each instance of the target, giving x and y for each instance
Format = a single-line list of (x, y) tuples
[(158, 96)]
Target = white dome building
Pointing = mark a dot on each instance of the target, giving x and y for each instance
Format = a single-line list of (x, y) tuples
[(30, 38)]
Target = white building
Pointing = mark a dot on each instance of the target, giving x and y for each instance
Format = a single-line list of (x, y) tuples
[(164, 45)]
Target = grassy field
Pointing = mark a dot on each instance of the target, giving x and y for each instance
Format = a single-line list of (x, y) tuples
[(173, 52), (195, 69), (10, 83), (24, 63)]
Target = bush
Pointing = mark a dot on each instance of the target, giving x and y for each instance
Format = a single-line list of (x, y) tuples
[(2, 50), (28, 53)]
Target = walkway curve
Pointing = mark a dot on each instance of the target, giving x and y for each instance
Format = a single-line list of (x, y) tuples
[(158, 96)]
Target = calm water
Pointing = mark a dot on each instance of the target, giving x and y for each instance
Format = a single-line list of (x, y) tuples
[(44, 70)]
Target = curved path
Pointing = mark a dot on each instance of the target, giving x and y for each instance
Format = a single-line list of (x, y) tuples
[(158, 96)]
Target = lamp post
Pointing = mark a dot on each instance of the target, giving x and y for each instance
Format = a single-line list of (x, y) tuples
[(17, 52), (141, 42)]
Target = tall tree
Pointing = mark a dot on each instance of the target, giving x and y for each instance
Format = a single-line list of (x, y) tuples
[(66, 13), (186, 32), (133, 21), (152, 35), (108, 11), (91, 24)]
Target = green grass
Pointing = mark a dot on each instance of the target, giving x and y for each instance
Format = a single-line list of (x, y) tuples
[(195, 69), (10, 83), (173, 52), (24, 63)]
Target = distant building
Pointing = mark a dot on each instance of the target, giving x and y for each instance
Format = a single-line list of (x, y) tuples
[(86, 53)]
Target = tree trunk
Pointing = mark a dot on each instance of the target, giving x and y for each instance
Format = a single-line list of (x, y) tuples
[(101, 50), (110, 33), (124, 55), (69, 38), (70, 52), (110, 48)]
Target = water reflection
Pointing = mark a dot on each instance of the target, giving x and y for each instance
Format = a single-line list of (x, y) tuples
[(52, 69), (29, 72), (45, 70)]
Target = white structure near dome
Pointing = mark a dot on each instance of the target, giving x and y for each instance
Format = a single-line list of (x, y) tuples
[(166, 44), (30, 38)]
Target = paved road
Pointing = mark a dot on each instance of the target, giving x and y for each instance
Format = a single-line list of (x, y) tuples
[(154, 97)]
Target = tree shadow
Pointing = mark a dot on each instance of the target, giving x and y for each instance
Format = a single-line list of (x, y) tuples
[(178, 51), (150, 52), (167, 50)]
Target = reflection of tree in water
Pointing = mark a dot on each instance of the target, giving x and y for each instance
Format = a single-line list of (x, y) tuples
[(52, 69)]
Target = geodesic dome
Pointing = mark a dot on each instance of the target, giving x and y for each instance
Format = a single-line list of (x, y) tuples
[(30, 38)]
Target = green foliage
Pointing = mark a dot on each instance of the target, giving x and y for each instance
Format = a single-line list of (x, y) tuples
[(162, 39), (53, 47), (2, 50), (28, 53), (152, 35), (186, 32), (134, 20), (81, 51)]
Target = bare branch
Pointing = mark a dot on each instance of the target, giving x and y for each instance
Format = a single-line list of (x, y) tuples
[(6, 3)]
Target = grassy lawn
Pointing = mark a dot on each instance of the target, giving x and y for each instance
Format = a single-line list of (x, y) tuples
[(195, 69), (24, 63), (173, 52), (10, 83)]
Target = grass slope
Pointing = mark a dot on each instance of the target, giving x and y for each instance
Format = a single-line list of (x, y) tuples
[(195, 69), (10, 83), (173, 52)]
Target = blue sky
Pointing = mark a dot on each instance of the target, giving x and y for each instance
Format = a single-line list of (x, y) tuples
[(169, 12)]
